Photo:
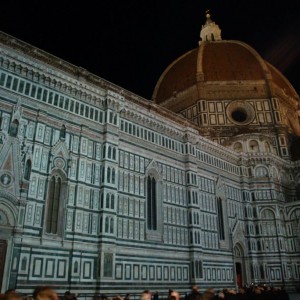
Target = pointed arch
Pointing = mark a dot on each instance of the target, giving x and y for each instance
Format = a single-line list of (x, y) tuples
[(55, 203), (222, 218), (153, 203), (261, 171), (8, 214)]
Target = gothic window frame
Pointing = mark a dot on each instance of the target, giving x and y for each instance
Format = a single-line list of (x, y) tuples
[(57, 187), (153, 233), (222, 215), (151, 203), (220, 210)]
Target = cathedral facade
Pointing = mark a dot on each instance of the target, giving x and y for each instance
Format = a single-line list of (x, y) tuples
[(102, 190)]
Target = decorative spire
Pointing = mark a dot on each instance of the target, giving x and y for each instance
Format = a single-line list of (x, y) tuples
[(210, 30)]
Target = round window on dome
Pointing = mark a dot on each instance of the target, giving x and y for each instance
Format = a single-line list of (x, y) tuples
[(239, 115), (240, 112)]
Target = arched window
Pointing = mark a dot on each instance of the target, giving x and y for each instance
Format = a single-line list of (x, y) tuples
[(27, 170), (107, 201), (104, 152), (253, 145), (108, 265), (238, 147), (112, 203), (151, 204), (100, 225), (101, 200), (14, 128), (108, 175), (113, 176), (189, 197), (52, 219), (190, 218), (109, 152), (111, 225), (220, 219), (111, 116), (267, 147), (102, 174), (106, 224), (114, 154)]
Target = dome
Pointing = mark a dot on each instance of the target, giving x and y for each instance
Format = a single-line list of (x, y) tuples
[(232, 68), (230, 92)]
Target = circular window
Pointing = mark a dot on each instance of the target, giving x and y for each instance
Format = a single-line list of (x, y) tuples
[(6, 179), (239, 115), (240, 112)]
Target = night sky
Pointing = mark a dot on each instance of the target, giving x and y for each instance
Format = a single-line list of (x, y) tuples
[(130, 42)]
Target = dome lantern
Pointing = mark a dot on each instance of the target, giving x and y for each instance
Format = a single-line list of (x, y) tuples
[(210, 30)]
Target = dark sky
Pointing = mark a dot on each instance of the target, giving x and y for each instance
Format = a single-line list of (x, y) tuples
[(131, 42)]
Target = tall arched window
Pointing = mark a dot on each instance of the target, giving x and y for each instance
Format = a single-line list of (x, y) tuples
[(100, 224), (108, 175), (151, 204), (114, 155), (102, 173), (104, 152), (112, 204), (55, 189), (220, 219), (111, 227), (107, 201), (27, 170), (107, 224), (113, 176)]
